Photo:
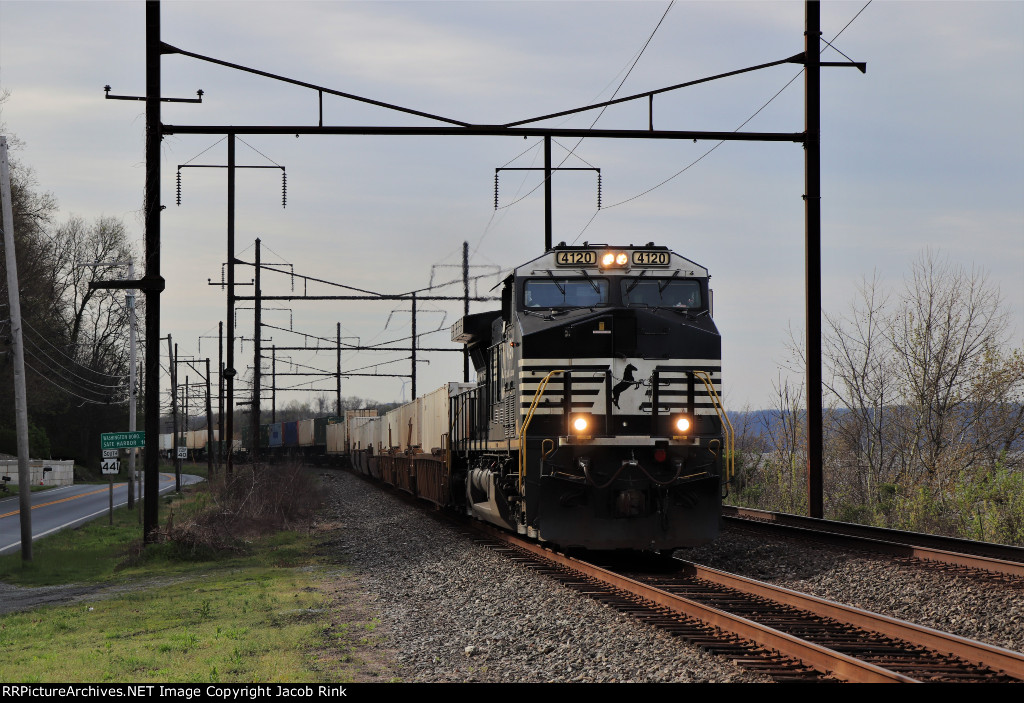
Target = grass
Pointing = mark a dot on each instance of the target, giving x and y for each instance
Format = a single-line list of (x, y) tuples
[(251, 624), (258, 615)]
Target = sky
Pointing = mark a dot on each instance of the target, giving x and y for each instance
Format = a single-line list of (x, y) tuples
[(925, 150)]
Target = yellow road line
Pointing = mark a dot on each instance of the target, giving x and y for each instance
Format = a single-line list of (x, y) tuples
[(62, 500)]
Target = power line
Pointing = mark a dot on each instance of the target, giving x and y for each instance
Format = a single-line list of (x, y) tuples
[(69, 358), (706, 153)]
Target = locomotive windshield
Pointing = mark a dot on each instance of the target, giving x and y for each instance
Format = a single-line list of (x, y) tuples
[(566, 292), (665, 292)]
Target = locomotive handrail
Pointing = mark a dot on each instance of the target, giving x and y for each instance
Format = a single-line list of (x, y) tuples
[(541, 387), (730, 434)]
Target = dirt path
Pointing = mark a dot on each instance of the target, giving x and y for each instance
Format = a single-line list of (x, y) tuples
[(14, 599)]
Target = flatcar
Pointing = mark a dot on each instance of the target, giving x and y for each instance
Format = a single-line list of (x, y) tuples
[(595, 421)]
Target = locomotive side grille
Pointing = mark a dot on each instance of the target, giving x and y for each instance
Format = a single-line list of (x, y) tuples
[(509, 411)]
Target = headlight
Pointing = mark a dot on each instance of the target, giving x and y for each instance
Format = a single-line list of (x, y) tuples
[(614, 259), (580, 424), (681, 424)]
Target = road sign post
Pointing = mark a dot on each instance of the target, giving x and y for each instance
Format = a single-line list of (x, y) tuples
[(110, 443), (111, 466)]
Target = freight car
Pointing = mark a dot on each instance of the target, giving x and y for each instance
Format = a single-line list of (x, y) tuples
[(596, 419), (306, 439), (196, 442)]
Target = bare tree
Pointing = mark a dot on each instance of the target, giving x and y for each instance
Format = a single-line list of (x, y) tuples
[(947, 341), (96, 320), (929, 396), (323, 404), (861, 379)]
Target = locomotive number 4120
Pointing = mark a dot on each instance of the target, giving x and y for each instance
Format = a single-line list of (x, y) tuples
[(650, 258), (576, 258)]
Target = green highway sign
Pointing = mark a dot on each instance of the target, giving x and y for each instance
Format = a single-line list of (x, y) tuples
[(122, 440)]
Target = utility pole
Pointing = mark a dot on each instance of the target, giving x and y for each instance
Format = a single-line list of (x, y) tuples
[(547, 194), (338, 378), (465, 308), (185, 395), (229, 372), (172, 352), (130, 298), (257, 361), (209, 423), (20, 394), (414, 345), (220, 397)]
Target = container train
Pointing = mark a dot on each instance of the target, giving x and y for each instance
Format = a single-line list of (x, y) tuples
[(595, 420)]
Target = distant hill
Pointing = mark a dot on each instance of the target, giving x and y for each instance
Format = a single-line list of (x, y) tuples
[(760, 423)]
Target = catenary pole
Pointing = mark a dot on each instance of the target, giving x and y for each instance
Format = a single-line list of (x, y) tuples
[(257, 362), (154, 283), (229, 372), (812, 205)]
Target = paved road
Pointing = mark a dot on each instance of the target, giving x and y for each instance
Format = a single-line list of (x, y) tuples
[(67, 506)]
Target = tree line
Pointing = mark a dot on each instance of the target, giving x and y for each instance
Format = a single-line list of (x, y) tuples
[(75, 339)]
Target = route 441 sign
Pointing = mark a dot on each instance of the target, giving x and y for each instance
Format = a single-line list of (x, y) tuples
[(110, 466)]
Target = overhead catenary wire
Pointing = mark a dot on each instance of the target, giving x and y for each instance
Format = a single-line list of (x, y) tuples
[(828, 44), (572, 151), (516, 198)]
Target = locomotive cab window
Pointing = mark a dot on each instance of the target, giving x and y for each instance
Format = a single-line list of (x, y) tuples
[(665, 292), (565, 292)]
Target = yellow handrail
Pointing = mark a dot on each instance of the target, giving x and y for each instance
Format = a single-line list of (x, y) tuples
[(526, 423), (730, 434)]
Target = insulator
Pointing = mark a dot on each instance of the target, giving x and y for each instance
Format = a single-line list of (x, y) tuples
[(598, 190), (179, 186), (284, 189), (495, 190)]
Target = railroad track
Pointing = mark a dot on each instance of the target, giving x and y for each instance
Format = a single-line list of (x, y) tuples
[(786, 635), (1004, 563)]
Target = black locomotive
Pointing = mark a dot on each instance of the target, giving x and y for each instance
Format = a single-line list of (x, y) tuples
[(596, 419)]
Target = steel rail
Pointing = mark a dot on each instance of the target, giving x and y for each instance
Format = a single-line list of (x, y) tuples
[(996, 558), (1007, 661), (820, 658)]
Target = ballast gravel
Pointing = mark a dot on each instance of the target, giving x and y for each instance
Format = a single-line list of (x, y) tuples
[(970, 606), (453, 611)]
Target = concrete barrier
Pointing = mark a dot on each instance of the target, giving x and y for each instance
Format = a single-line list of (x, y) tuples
[(60, 473)]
